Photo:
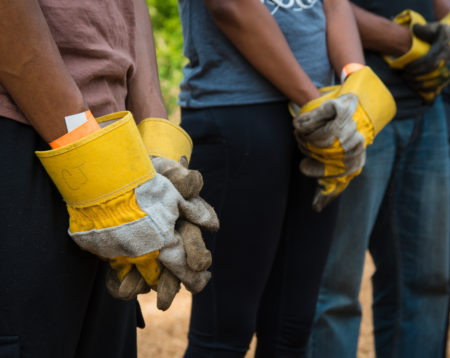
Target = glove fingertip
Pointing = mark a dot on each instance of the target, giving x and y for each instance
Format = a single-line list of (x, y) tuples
[(200, 213), (132, 285), (202, 280), (214, 224), (189, 185), (424, 32), (200, 262), (198, 257), (312, 168), (320, 201), (168, 287)]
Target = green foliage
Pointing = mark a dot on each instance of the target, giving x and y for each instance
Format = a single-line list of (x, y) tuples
[(169, 49)]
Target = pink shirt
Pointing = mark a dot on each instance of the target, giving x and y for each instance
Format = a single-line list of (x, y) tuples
[(96, 39)]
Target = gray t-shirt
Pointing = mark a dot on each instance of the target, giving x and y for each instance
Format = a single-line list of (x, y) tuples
[(217, 74), (409, 103)]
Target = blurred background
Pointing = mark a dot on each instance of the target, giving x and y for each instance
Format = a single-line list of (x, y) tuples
[(165, 335), (169, 50)]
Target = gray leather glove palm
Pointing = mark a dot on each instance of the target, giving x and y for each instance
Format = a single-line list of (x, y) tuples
[(322, 127), (334, 130), (187, 259)]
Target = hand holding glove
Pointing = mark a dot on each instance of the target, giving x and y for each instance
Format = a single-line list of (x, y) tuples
[(187, 261), (425, 67), (334, 130), (431, 73)]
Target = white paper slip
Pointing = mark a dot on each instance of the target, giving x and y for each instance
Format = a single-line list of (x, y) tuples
[(75, 120)]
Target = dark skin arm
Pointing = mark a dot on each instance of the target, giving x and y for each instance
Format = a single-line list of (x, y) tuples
[(381, 34), (259, 34), (32, 70), (144, 93), (344, 44), (441, 8)]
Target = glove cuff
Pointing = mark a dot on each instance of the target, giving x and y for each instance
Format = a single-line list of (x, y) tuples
[(446, 19), (163, 138), (101, 166), (418, 48), (377, 102), (329, 92)]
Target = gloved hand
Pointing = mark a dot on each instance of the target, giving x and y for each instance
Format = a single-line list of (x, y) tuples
[(334, 130), (430, 74), (120, 209), (170, 148), (186, 261), (425, 66)]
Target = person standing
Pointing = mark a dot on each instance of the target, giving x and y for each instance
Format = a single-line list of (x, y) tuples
[(398, 208), (66, 61), (247, 58)]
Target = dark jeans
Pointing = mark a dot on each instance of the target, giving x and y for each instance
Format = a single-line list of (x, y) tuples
[(53, 301), (269, 253)]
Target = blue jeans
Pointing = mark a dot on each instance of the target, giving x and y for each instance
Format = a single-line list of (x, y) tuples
[(398, 208), (446, 100)]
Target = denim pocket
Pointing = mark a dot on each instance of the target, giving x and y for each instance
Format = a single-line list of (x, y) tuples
[(9, 347)]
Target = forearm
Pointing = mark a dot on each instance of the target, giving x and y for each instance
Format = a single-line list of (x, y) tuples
[(441, 8), (344, 44), (380, 34), (262, 43), (144, 93), (32, 70)]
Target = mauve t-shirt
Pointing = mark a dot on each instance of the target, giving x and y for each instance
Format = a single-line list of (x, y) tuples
[(96, 39)]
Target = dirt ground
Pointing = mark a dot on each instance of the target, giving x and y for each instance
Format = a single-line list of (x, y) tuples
[(166, 332)]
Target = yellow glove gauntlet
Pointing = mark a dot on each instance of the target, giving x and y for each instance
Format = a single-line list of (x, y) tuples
[(163, 138), (97, 176), (334, 130), (376, 107), (425, 67), (87, 173), (419, 48)]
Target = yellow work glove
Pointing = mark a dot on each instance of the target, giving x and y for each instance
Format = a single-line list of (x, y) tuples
[(425, 67), (334, 130), (170, 148), (120, 209)]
